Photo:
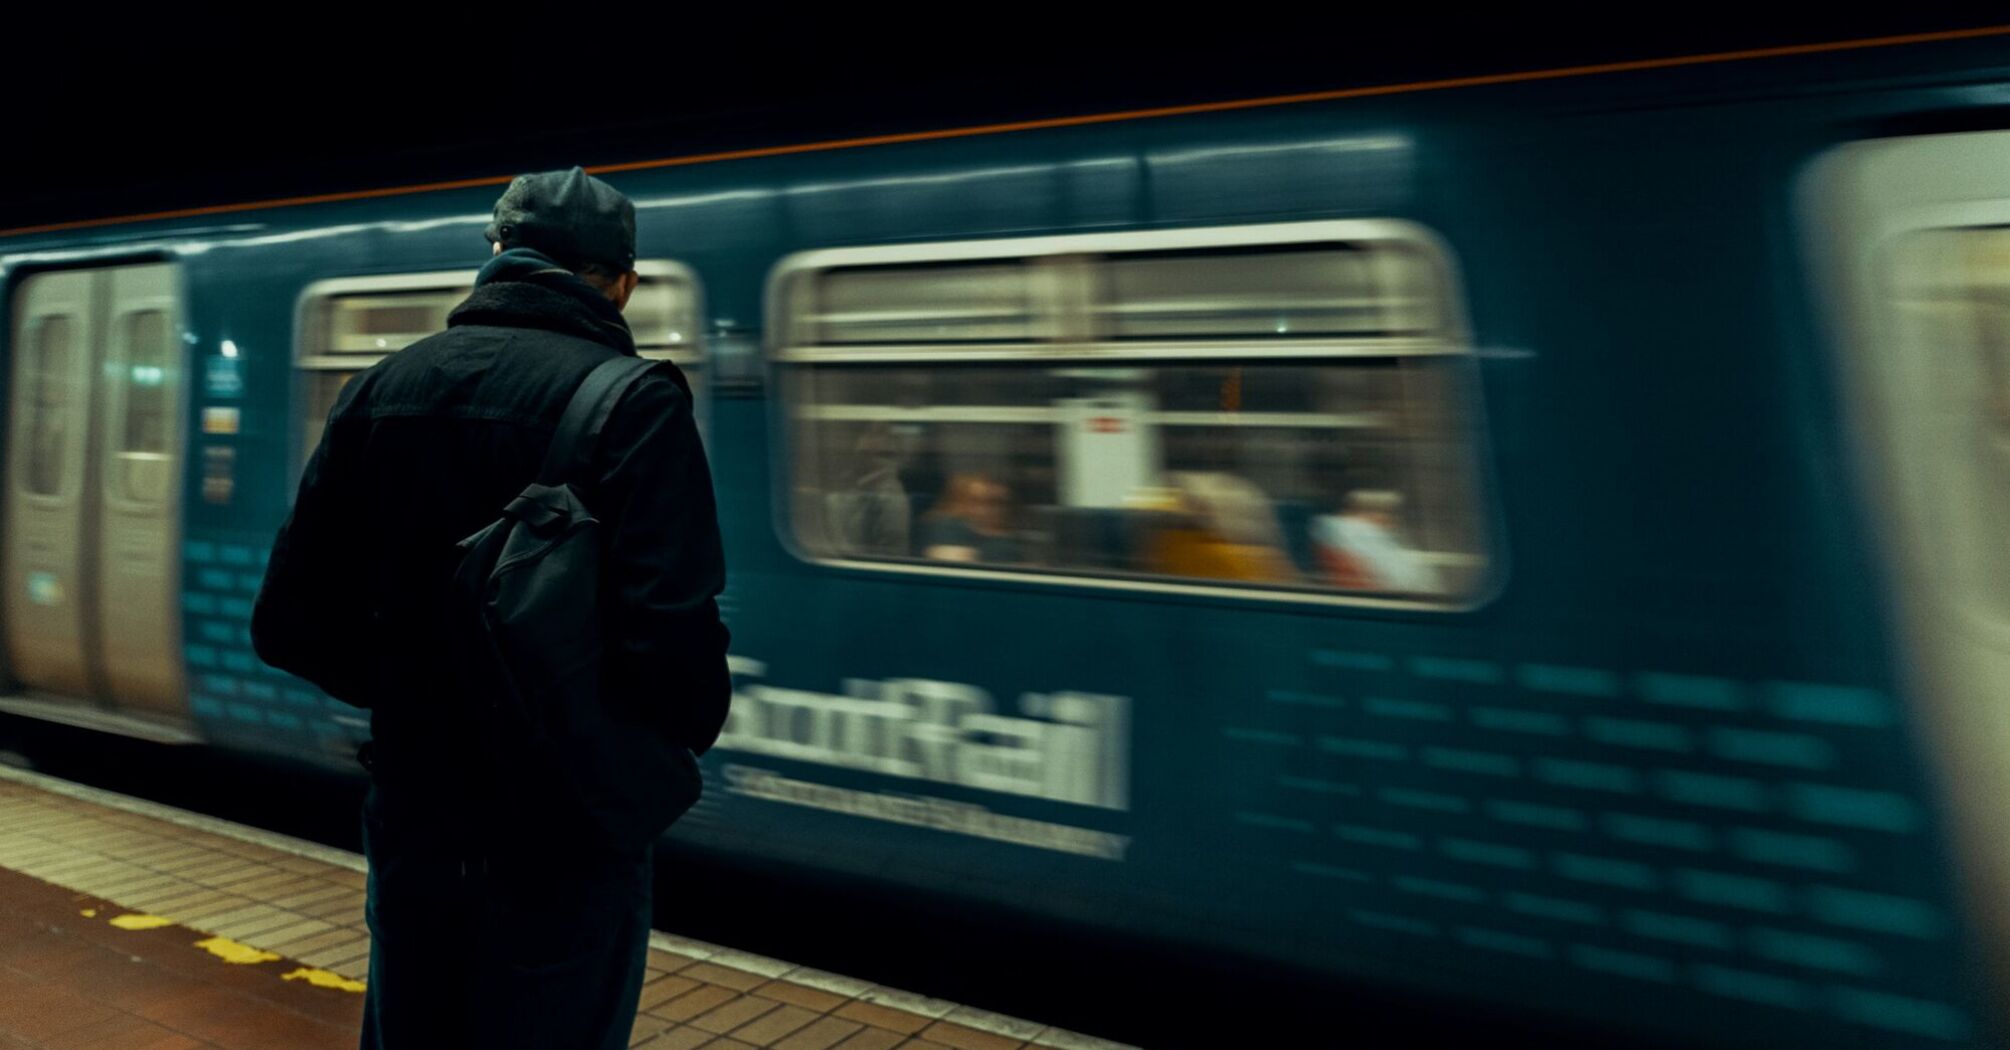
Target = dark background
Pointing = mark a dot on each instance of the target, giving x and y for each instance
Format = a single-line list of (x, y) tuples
[(109, 114)]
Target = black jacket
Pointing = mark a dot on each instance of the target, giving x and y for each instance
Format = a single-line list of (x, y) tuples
[(425, 448)]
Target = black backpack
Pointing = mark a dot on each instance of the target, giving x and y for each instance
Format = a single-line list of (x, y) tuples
[(529, 588)]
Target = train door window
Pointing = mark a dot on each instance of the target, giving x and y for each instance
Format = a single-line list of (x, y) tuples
[(351, 323), (140, 369), (49, 426), (1286, 410)]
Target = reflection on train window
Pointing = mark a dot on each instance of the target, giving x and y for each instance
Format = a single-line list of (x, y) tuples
[(48, 406), (1275, 415), (349, 324), (1953, 300)]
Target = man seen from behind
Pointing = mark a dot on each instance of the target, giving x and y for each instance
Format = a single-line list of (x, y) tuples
[(495, 921)]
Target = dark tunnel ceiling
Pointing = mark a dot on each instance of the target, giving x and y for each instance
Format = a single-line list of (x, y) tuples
[(159, 117)]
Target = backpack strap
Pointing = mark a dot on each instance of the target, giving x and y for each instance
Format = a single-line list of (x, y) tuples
[(586, 414)]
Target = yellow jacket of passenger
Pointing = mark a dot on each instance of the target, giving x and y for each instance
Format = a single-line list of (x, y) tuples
[(1200, 554)]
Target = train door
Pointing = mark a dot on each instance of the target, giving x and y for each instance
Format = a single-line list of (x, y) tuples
[(139, 485), (93, 488), (47, 605), (1916, 232)]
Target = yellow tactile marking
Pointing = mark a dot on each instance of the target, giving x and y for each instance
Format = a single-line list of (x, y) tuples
[(234, 952), (323, 979), (136, 921)]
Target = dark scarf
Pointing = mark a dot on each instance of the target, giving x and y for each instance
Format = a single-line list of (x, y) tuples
[(524, 288)]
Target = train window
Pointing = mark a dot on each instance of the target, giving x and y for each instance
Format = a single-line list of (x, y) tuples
[(1953, 301), (663, 314), (48, 405), (349, 324), (379, 324), (1283, 409)]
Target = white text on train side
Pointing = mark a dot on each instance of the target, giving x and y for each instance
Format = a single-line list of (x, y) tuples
[(1064, 746)]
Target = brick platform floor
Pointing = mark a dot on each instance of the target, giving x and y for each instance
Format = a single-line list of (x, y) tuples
[(70, 980), (80, 867)]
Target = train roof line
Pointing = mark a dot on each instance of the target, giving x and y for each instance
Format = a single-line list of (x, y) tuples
[(1080, 120)]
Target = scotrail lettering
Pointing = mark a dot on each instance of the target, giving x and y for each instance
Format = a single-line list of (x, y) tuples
[(1064, 746)]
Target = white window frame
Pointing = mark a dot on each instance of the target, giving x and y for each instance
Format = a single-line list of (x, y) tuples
[(1453, 341)]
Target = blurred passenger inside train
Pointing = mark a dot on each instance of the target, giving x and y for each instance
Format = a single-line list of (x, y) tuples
[(971, 522), (1362, 548), (874, 515), (1222, 528)]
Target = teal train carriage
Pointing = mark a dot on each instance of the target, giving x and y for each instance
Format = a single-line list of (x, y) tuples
[(1530, 540)]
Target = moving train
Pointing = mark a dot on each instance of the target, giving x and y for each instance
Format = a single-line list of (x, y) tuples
[(1532, 538)]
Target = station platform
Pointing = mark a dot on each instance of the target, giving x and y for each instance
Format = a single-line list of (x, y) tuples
[(129, 925)]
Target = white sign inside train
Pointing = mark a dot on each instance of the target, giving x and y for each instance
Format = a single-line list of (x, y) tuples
[(1063, 746)]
